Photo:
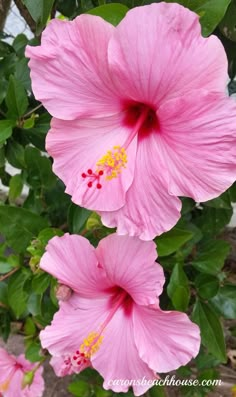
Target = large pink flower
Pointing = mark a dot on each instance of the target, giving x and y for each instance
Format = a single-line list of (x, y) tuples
[(140, 114), (113, 321), (12, 376)]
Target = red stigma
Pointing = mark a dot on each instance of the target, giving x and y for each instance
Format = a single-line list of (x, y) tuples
[(89, 171), (90, 184), (99, 186), (100, 173), (83, 175)]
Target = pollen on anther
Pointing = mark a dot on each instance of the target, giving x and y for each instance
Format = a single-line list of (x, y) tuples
[(90, 184)]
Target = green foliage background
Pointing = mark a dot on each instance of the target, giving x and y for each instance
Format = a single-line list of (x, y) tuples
[(192, 253)]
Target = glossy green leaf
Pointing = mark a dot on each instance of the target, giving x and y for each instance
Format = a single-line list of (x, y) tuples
[(211, 256), (207, 286), (211, 329), (79, 388), (39, 10), (211, 12), (113, 12), (39, 169), (6, 128), (16, 186), (225, 301), (77, 218), (17, 297), (178, 288), (19, 226), (15, 154), (16, 99), (227, 25), (173, 240), (212, 220)]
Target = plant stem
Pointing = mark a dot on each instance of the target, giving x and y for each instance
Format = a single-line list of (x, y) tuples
[(9, 274)]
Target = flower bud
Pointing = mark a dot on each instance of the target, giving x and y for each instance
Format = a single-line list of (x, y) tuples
[(63, 292), (28, 379)]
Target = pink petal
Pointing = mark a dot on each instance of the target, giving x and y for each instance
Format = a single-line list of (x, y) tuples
[(197, 142), (14, 388), (118, 359), (58, 364), (69, 71), (7, 366), (72, 260), (165, 340), (77, 146), (157, 52), (149, 209), (75, 320), (130, 264)]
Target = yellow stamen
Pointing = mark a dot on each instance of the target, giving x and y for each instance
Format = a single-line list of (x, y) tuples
[(113, 162), (91, 344)]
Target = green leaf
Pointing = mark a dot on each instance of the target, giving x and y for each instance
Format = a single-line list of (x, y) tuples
[(113, 12), (39, 169), (32, 352), (41, 282), (178, 288), (39, 10), (207, 286), (225, 301), (212, 220), (173, 240), (6, 128), (79, 388), (17, 297), (15, 154), (227, 25), (29, 327), (211, 12), (16, 186), (5, 265), (37, 134), (77, 218), (223, 201), (232, 192), (16, 99), (211, 329), (19, 226), (211, 256), (3, 293)]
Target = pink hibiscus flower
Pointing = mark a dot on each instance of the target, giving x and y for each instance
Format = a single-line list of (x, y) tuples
[(140, 114), (113, 321), (12, 376)]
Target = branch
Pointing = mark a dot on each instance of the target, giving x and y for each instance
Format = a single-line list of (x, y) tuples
[(26, 15), (4, 8)]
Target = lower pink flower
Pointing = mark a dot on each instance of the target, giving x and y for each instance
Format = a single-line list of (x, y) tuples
[(13, 372), (113, 321)]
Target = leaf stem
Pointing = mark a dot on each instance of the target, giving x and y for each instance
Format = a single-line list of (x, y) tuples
[(32, 110)]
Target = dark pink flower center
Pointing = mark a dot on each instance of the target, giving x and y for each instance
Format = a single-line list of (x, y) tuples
[(134, 111), (141, 120)]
